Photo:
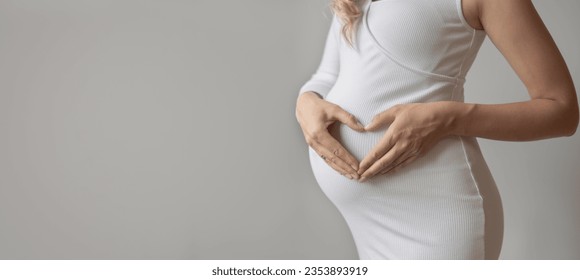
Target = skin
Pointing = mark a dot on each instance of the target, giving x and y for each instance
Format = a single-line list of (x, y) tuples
[(315, 115), (518, 32)]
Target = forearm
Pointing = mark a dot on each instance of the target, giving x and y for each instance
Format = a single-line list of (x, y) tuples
[(522, 121), (518, 32)]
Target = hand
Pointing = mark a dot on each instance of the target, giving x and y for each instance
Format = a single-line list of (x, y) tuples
[(315, 115), (414, 129)]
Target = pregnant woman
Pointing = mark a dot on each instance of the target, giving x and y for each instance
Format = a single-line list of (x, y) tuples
[(391, 142)]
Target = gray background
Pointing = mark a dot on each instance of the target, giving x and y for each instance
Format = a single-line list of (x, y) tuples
[(166, 130)]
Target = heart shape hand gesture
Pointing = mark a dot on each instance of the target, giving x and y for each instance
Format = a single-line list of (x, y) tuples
[(413, 129)]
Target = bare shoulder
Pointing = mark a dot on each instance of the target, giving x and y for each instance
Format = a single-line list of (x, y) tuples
[(476, 12)]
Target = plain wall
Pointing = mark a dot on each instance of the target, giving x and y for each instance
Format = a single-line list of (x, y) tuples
[(166, 130)]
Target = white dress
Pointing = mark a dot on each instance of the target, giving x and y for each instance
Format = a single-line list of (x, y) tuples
[(444, 205)]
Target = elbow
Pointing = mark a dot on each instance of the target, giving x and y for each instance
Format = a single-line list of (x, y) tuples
[(572, 130), (571, 119), (568, 114), (573, 124)]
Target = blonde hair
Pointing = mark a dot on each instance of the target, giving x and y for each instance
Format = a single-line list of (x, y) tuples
[(349, 13)]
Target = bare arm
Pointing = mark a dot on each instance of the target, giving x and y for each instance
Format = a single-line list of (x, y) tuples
[(517, 31), (520, 35)]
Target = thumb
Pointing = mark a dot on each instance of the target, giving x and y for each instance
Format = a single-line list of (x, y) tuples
[(349, 119), (382, 119)]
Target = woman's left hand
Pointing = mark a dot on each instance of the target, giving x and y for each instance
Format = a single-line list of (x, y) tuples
[(414, 129)]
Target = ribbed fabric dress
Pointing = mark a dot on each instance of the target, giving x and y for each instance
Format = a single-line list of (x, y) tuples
[(444, 205)]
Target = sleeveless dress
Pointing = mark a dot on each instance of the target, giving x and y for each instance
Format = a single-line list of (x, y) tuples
[(444, 205)]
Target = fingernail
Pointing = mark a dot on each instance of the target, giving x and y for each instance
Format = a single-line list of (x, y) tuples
[(349, 176), (363, 179), (354, 167), (355, 176)]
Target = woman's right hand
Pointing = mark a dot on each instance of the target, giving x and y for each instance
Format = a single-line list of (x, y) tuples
[(315, 115)]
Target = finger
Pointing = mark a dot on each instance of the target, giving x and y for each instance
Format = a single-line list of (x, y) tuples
[(398, 166), (383, 118), (347, 118), (336, 149), (350, 176), (331, 157), (391, 156), (323, 155), (314, 141), (378, 151), (406, 154)]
